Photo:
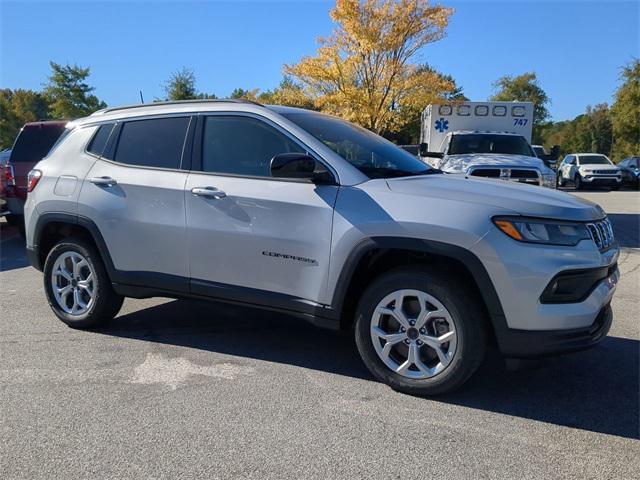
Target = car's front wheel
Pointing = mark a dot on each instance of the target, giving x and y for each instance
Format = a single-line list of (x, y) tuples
[(419, 332), (578, 182), (77, 285)]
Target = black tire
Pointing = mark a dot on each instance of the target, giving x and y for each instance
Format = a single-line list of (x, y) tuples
[(107, 302), (578, 182), (463, 307), (615, 186)]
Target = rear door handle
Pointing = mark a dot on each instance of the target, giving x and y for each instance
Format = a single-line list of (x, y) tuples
[(210, 192), (105, 181)]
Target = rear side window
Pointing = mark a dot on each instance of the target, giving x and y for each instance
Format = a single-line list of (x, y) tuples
[(242, 146), (152, 143), (99, 140), (34, 142)]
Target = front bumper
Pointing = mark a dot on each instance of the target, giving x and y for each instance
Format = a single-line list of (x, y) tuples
[(604, 179), (531, 343)]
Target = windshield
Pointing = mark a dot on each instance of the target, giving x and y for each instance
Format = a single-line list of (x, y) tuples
[(371, 154), (594, 160), (488, 143)]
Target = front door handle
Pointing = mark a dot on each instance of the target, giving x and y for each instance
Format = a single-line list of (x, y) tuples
[(210, 192), (104, 181)]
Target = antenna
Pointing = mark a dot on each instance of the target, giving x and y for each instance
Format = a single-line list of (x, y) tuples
[(141, 97)]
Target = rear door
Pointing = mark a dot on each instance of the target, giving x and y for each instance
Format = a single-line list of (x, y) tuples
[(255, 238), (135, 195)]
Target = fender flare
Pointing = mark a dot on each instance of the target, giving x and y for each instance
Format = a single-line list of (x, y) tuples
[(460, 254), (72, 219)]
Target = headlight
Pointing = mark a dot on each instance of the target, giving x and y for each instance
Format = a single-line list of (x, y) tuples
[(549, 180), (548, 232)]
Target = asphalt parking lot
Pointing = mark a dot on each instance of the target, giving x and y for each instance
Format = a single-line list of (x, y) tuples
[(179, 389)]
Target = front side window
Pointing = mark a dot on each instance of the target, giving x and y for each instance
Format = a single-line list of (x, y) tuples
[(488, 143), (594, 160), (155, 142), (242, 146), (371, 154)]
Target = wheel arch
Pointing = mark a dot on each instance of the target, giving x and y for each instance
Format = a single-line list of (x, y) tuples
[(53, 226), (372, 256)]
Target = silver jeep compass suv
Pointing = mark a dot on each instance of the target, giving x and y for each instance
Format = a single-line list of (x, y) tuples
[(304, 213)]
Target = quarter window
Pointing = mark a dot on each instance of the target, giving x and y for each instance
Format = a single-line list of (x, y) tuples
[(242, 146), (152, 143), (99, 140)]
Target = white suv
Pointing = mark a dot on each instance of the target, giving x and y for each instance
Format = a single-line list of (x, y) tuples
[(588, 169), (303, 213)]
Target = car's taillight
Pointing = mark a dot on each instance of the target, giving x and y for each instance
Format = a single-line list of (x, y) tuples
[(9, 176), (33, 178)]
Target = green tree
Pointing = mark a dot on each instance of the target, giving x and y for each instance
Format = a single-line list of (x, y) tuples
[(625, 113), (591, 131), (525, 88), (18, 107), (68, 94), (181, 85)]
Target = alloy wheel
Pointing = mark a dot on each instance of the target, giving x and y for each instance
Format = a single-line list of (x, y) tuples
[(73, 284), (413, 334)]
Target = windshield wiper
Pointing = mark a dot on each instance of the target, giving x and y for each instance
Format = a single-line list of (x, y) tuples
[(374, 172)]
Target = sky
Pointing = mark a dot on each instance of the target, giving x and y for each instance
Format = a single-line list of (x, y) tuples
[(576, 47)]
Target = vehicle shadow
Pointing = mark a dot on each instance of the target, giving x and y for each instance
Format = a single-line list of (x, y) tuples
[(596, 390), (626, 228), (12, 251)]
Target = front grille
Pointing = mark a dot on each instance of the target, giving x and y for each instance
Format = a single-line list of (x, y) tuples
[(602, 233), (512, 174), (486, 172), (524, 174)]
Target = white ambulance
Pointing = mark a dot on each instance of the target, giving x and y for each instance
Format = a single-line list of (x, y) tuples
[(483, 139)]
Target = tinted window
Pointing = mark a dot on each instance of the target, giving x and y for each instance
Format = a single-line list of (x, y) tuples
[(594, 160), (487, 143), (371, 154), (99, 140), (152, 143), (35, 141), (242, 146)]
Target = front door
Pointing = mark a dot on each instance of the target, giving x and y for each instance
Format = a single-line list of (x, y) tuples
[(253, 237)]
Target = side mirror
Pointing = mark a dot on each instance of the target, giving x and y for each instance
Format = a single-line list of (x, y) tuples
[(555, 152), (423, 149), (300, 166)]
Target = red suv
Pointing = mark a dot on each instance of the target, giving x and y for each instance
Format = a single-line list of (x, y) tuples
[(32, 144)]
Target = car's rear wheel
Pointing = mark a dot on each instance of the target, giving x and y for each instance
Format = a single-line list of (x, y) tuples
[(77, 285), (419, 333)]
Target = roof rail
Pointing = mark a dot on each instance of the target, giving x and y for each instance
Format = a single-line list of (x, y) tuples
[(176, 102)]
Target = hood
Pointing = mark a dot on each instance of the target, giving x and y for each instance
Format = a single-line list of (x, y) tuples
[(526, 200), (460, 163)]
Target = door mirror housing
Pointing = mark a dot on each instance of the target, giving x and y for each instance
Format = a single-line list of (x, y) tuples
[(423, 149), (299, 166)]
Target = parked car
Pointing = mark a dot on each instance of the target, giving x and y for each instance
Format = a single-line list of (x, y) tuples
[(304, 213), (588, 169), (31, 145), (550, 159), (630, 171), (4, 157)]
